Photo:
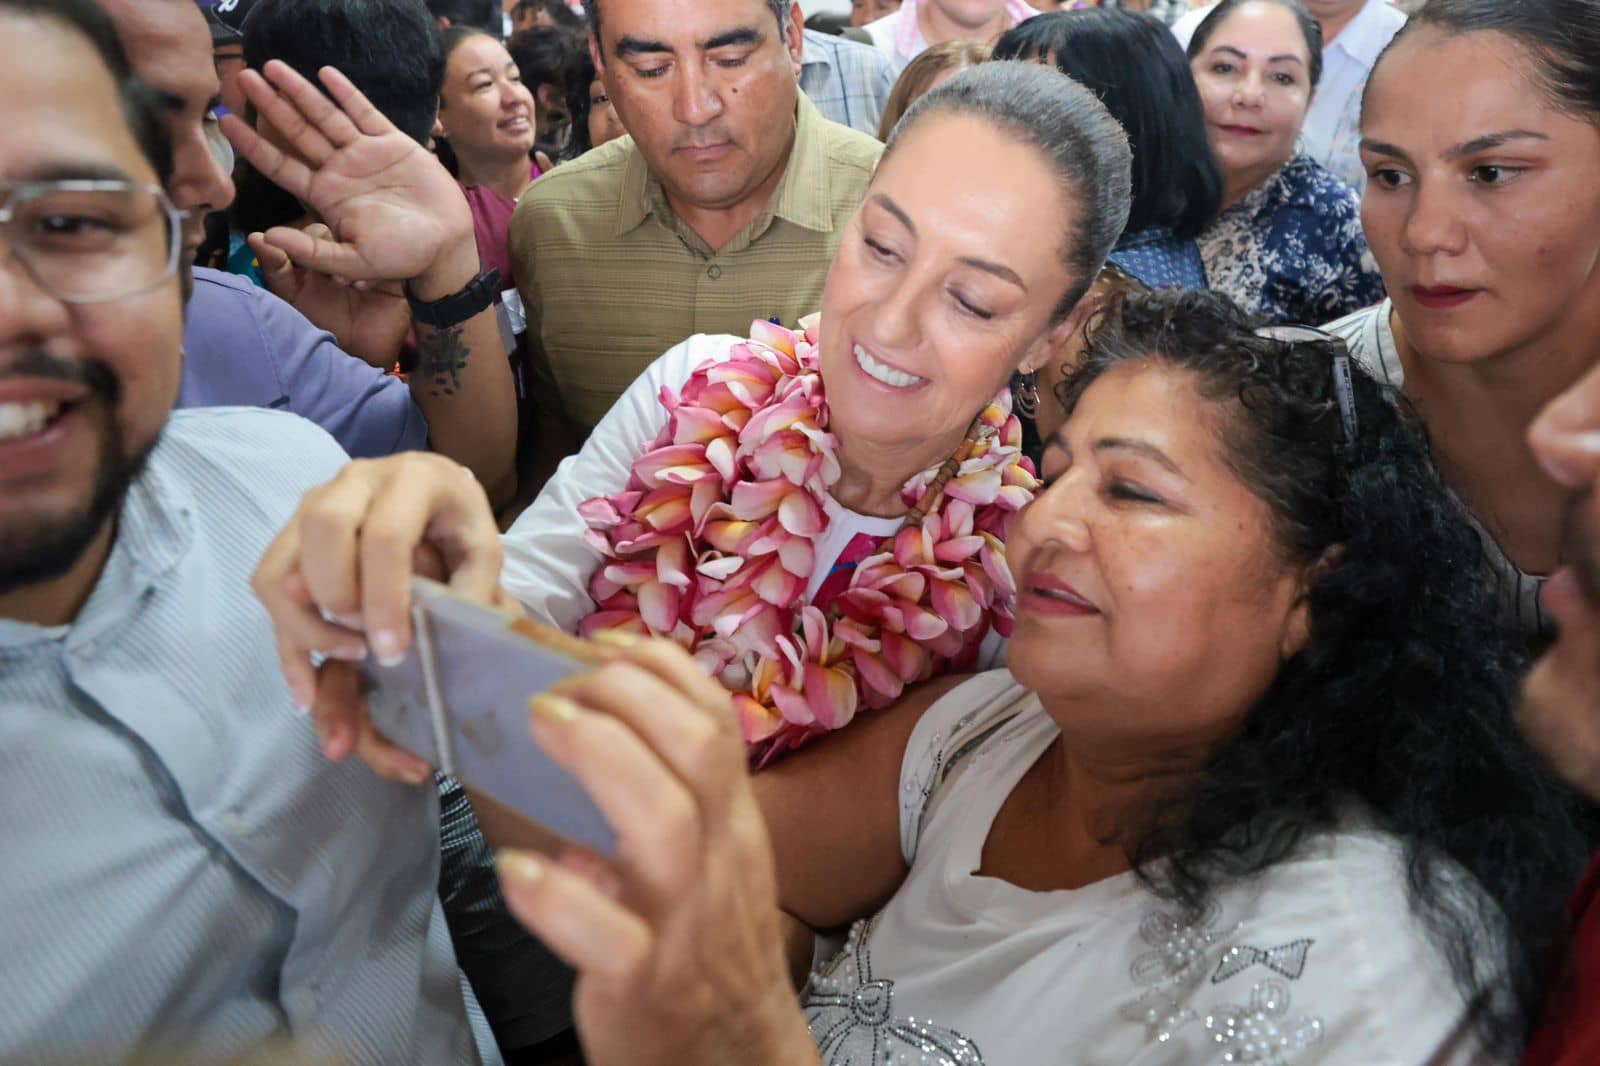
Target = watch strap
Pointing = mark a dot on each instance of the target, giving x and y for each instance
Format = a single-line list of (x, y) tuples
[(477, 297)]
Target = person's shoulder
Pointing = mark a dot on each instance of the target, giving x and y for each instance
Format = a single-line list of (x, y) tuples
[(883, 31), (1184, 26), (856, 52), (1349, 888), (1308, 188), (849, 152), (595, 172), (1366, 335), (220, 285), (266, 448)]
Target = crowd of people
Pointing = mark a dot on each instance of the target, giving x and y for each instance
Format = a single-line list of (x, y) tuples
[(1080, 519)]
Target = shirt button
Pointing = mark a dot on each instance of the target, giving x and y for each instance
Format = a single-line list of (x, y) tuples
[(713, 272)]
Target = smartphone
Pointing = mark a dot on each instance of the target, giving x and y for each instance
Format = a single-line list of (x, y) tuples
[(459, 701)]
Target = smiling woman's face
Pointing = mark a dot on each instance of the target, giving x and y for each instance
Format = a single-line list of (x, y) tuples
[(946, 280), (484, 109), (1254, 78), (1153, 601)]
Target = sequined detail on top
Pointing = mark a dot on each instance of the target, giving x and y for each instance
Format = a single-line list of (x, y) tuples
[(852, 1019), (1287, 959), (1262, 1032)]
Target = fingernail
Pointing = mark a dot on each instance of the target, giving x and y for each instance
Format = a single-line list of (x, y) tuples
[(519, 867), (417, 773), (557, 709), (349, 653), (616, 638), (386, 642)]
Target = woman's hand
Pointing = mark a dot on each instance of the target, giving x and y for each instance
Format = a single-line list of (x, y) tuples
[(350, 553), (679, 946)]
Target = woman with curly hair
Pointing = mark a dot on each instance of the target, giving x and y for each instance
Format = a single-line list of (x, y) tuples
[(1249, 792)]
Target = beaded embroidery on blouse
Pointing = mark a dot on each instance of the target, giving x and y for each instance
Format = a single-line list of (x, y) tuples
[(852, 1019)]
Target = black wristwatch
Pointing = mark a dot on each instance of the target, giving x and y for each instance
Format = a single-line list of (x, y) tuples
[(477, 297)]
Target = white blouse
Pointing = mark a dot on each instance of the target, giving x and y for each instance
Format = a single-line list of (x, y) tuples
[(548, 563), (1319, 960)]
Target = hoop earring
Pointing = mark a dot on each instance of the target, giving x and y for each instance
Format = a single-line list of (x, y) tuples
[(1025, 394)]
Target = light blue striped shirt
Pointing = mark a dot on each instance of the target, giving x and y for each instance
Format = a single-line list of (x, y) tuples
[(182, 868), (849, 82)]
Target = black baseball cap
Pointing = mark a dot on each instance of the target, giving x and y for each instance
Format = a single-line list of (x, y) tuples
[(226, 18)]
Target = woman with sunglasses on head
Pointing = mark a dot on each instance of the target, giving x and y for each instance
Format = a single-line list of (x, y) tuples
[(1288, 244), (1481, 133)]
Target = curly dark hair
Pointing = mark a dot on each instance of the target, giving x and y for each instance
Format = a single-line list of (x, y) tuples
[(1401, 702)]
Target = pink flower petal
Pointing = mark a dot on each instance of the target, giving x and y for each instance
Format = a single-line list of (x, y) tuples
[(755, 500), (719, 567), (802, 515), (832, 696), (883, 685), (798, 557), (658, 606), (793, 705), (978, 488), (681, 463), (955, 604), (775, 584), (756, 722), (773, 336), (672, 563), (905, 657), (958, 549)]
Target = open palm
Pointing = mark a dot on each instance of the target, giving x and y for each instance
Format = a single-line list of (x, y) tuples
[(391, 208)]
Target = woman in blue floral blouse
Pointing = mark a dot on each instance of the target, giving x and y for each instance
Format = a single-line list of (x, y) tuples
[(1288, 244)]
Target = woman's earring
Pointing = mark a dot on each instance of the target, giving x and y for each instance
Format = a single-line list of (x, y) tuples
[(1025, 394)]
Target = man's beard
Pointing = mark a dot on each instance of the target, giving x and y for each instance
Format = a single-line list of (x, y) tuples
[(40, 548)]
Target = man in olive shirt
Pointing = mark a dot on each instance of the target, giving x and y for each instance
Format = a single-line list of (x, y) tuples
[(726, 205)]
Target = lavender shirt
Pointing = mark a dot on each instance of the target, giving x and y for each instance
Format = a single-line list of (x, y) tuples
[(244, 347)]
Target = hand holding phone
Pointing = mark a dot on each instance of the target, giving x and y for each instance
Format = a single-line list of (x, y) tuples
[(459, 701)]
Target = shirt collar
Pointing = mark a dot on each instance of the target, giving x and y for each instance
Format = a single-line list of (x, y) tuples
[(909, 41), (820, 49), (1366, 35), (802, 197)]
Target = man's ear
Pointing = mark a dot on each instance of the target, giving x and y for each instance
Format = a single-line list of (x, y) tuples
[(795, 36)]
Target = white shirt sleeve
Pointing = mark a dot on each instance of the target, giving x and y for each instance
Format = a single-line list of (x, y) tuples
[(548, 564)]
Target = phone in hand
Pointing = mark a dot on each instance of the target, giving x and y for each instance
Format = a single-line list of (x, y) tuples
[(459, 701)]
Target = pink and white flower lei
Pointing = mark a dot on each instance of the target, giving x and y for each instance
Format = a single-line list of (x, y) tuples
[(713, 544)]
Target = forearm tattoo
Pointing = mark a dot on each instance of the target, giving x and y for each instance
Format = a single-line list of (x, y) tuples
[(441, 358)]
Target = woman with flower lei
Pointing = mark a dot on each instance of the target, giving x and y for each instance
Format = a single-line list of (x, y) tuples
[(715, 543), (820, 516)]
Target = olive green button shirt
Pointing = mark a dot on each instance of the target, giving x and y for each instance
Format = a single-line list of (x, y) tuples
[(611, 278)]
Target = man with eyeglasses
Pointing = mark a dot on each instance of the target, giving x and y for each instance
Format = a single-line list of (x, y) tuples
[(183, 873), (245, 347)]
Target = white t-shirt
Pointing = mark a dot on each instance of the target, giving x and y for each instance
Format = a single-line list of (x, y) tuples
[(548, 563), (1317, 962)]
